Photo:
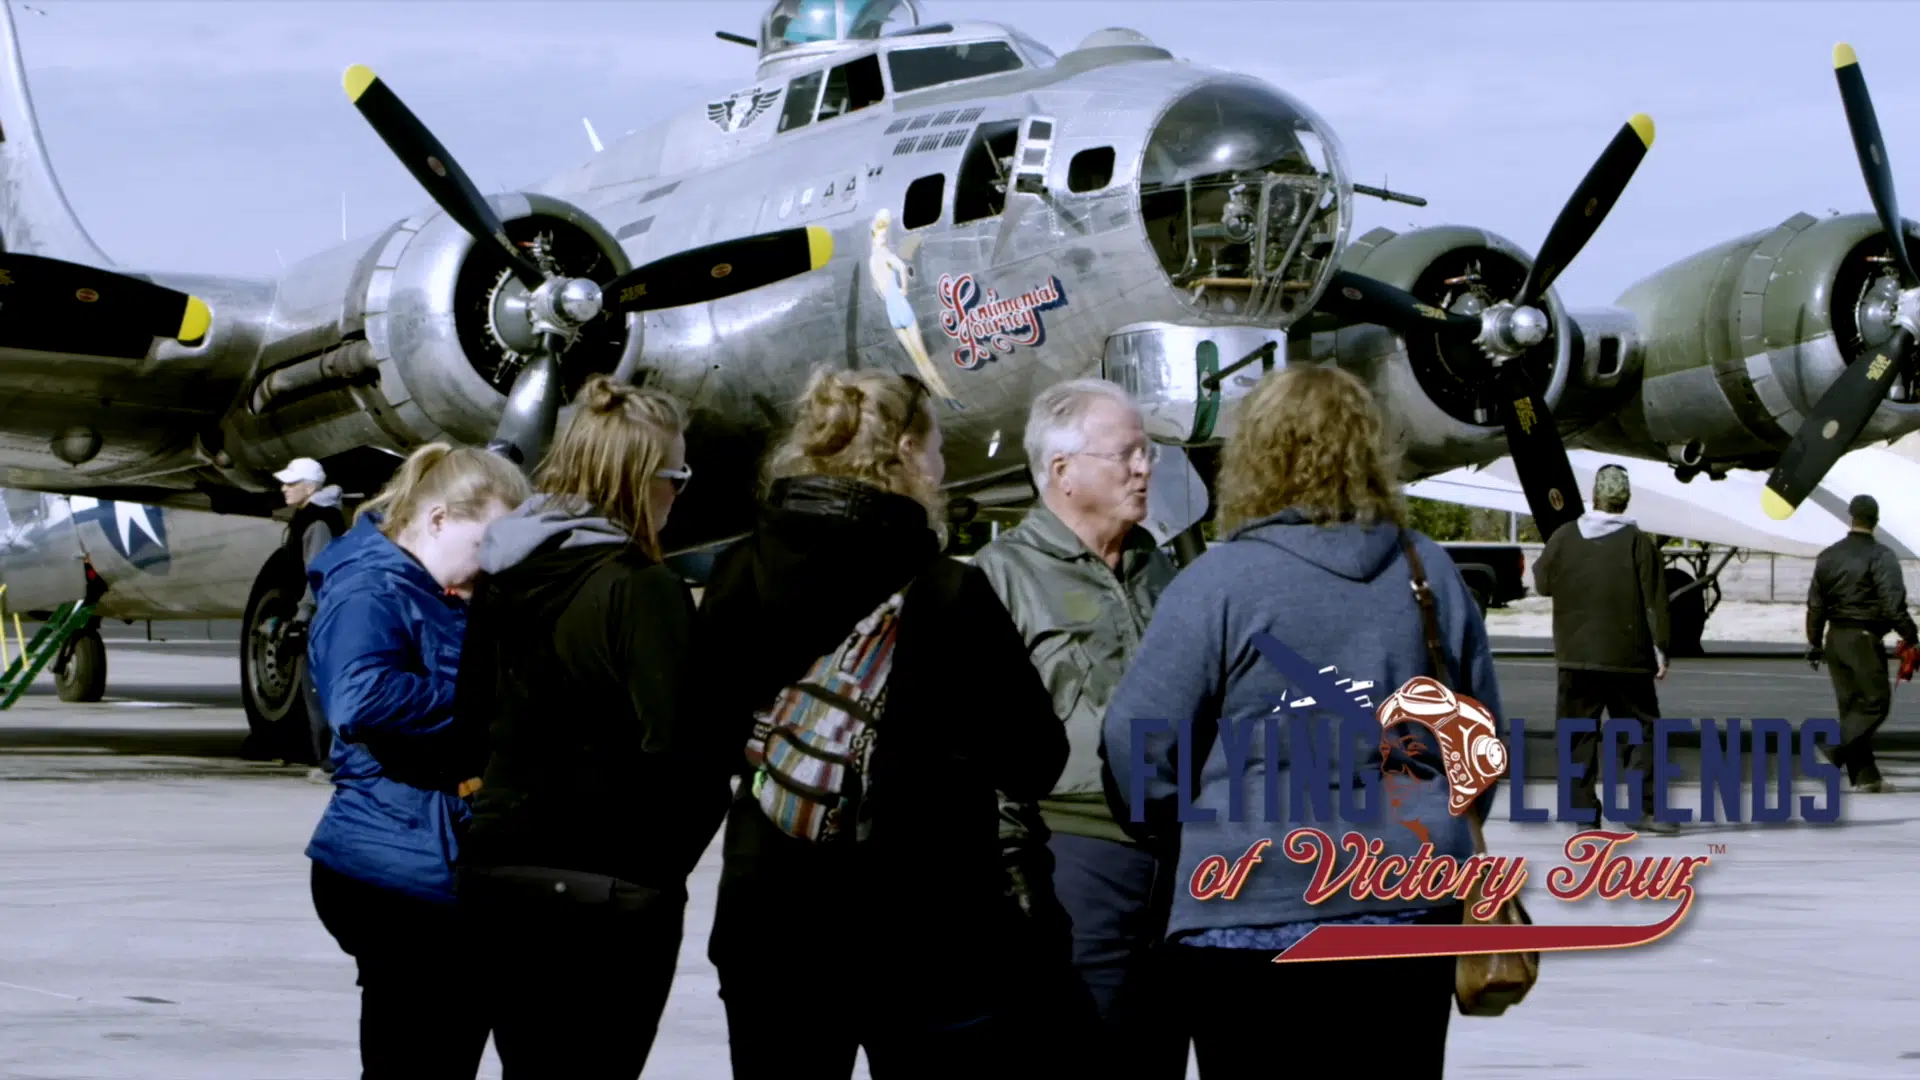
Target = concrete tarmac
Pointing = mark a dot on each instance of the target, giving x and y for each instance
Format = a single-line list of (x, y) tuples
[(155, 920)]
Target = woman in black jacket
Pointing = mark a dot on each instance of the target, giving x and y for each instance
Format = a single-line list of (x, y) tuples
[(908, 942), (594, 800)]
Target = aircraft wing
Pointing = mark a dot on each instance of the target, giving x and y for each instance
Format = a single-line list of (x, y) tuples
[(1718, 511)]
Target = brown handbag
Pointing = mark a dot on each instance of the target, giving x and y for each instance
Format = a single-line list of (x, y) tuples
[(1484, 984)]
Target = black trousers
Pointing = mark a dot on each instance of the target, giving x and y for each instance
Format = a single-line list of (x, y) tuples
[(1390, 1016), (417, 1021), (317, 725), (769, 1039), (1858, 667), (573, 984), (1119, 920), (1618, 694)]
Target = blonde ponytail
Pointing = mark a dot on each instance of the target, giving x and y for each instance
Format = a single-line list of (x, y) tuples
[(466, 480)]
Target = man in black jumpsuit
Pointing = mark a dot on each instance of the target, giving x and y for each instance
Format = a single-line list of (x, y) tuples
[(1857, 596), (317, 519)]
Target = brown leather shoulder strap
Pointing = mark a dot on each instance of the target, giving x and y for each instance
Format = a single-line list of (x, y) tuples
[(1422, 592)]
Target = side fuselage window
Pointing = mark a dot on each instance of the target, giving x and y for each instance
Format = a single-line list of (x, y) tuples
[(924, 198), (917, 69), (980, 191)]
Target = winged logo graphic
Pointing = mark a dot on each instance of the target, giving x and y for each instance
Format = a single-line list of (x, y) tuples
[(741, 109)]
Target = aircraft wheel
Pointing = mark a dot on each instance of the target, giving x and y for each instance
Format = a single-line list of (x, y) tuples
[(270, 672), (1686, 615), (85, 676)]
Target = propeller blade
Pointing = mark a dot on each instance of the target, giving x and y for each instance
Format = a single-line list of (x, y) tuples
[(533, 410), (1873, 156), (719, 270), (1843, 411), (55, 306), (1363, 299), (436, 170), (1829, 431), (1588, 207), (1539, 457)]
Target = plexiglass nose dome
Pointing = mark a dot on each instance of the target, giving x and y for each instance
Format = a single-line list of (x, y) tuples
[(1246, 200)]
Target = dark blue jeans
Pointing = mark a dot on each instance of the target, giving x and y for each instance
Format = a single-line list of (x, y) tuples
[(1119, 921)]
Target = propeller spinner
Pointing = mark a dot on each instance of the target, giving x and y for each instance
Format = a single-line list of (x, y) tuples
[(559, 306), (1506, 330), (1843, 411)]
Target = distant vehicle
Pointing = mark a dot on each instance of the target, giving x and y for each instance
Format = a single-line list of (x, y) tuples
[(1497, 573)]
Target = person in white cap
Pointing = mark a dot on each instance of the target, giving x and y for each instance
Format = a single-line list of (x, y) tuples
[(317, 519)]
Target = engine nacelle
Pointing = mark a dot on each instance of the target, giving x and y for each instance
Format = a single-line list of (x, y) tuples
[(417, 338), (1431, 389), (1743, 338)]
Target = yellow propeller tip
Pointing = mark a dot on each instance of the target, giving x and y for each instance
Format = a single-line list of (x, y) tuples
[(1843, 56), (195, 323), (1776, 507), (356, 80), (819, 246), (1642, 125)]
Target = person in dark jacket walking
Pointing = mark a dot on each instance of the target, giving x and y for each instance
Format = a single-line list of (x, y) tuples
[(578, 711), (1610, 634), (1313, 558), (1857, 595), (317, 520), (906, 943), (385, 650)]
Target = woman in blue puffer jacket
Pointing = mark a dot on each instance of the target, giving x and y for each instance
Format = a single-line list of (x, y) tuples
[(385, 651)]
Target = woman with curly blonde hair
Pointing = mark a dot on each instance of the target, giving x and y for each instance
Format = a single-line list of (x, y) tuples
[(1307, 605), (850, 525)]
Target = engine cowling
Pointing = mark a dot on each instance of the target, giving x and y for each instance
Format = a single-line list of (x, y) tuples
[(1740, 340), (1430, 389), (428, 339)]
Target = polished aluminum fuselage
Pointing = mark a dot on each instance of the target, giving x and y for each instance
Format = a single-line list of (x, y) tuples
[(156, 563)]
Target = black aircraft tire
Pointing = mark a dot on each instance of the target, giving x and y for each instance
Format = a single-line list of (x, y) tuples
[(85, 677), (269, 682), (1686, 615)]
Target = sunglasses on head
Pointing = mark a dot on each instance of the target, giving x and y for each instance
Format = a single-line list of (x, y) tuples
[(679, 477)]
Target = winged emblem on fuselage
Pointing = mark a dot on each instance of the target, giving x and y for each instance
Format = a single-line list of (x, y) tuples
[(743, 108)]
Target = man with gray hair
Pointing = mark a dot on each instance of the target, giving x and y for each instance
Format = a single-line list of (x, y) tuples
[(1080, 576), (1610, 635)]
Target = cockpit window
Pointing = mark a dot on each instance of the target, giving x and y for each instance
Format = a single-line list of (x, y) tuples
[(1039, 55), (917, 69), (793, 23), (802, 93), (851, 87)]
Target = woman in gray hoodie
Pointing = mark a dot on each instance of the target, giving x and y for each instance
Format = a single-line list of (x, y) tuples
[(1307, 600)]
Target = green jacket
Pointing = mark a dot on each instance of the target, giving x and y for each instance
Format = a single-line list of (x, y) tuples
[(1082, 623)]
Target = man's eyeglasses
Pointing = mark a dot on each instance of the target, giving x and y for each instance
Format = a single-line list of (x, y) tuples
[(1147, 453), (679, 477)]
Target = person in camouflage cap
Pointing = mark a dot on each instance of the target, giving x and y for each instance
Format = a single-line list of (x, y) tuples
[(1610, 636)]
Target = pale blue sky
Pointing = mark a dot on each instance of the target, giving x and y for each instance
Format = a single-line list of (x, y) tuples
[(204, 136)]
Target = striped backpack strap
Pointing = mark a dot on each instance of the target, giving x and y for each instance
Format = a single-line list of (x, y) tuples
[(812, 750)]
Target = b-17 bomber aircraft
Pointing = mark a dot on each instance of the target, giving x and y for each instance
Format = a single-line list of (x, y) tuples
[(955, 200)]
